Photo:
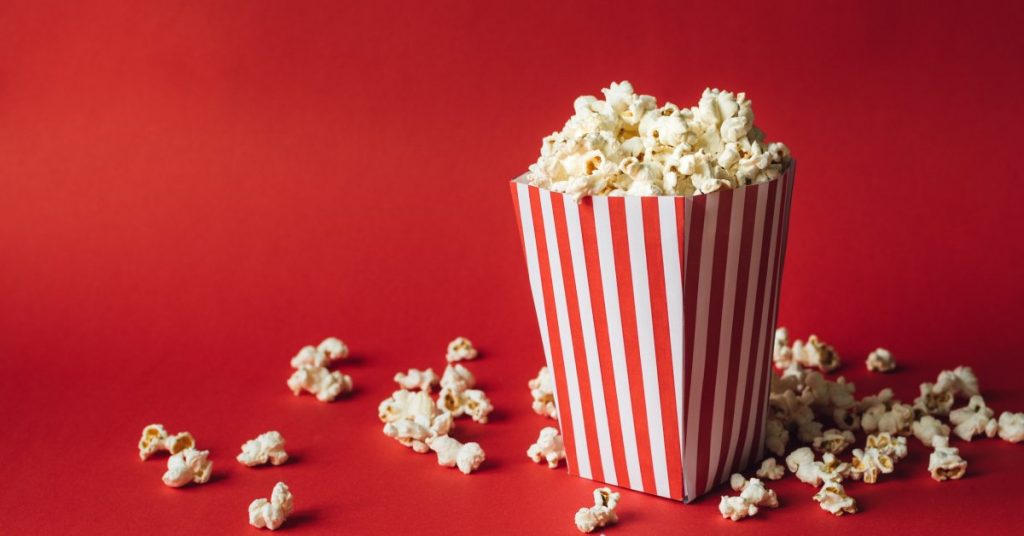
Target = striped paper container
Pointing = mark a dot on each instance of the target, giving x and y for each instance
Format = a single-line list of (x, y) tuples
[(657, 317)]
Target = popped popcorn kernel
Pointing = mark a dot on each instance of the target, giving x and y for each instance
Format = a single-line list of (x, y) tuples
[(833, 499), (816, 354), (1011, 426), (753, 496), (542, 389), (869, 463), (155, 439), (457, 378), (188, 466), (549, 447), (267, 447), (770, 470), (451, 453), (460, 349), (324, 354), (973, 419), (325, 384), (601, 514), (927, 428), (945, 462), (273, 513), (833, 441), (880, 360), (416, 379)]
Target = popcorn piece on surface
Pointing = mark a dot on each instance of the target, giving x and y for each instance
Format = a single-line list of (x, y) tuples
[(960, 380), (833, 440), (188, 466), (928, 427), (549, 447), (973, 419), (319, 381), (266, 447), (831, 468), (734, 508), (782, 355), (771, 470), (601, 514), (816, 354), (155, 439), (945, 462), (868, 464), (889, 416), (833, 499), (1011, 426), (451, 453), (457, 378), (933, 401), (328, 351), (893, 446), (776, 437), (753, 496), (415, 379), (460, 349), (273, 513), (472, 402), (627, 145), (801, 463), (410, 433), (542, 388), (880, 361)]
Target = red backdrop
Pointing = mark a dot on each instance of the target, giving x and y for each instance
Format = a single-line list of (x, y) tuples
[(191, 191)]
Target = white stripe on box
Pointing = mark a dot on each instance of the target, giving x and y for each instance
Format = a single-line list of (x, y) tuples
[(707, 257), (533, 268), (579, 267), (743, 402), (645, 337), (725, 356), (606, 255), (780, 218), (565, 334), (674, 296)]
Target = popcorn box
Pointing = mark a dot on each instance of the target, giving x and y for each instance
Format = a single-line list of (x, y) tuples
[(657, 318)]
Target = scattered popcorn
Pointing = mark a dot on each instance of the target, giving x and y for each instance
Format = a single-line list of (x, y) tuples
[(735, 508), (273, 513), (266, 447), (1011, 426), (801, 463), (886, 415), (472, 402), (833, 499), (542, 388), (155, 439), (831, 468), (189, 465), (782, 355), (457, 378), (411, 418), (327, 352), (880, 361), (815, 354), (893, 446), (771, 470), (627, 145), (776, 437), (404, 404), (601, 514), (973, 419), (869, 463), (833, 440), (549, 447), (933, 401), (323, 383), (415, 379), (451, 453), (460, 349), (945, 462), (926, 428), (410, 433), (960, 380), (753, 496)]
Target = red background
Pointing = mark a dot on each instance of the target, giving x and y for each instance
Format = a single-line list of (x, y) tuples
[(191, 191)]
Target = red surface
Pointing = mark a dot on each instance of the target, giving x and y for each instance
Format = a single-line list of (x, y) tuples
[(192, 191)]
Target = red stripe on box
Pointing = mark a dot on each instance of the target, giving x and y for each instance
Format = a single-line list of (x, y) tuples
[(582, 372), (558, 368), (611, 397), (693, 240), (662, 344), (624, 274)]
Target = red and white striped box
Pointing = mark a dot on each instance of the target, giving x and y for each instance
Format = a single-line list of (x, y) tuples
[(657, 317)]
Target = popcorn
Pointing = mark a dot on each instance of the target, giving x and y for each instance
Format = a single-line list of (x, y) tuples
[(273, 513), (833, 499), (801, 463), (328, 351), (973, 419), (627, 145), (815, 354), (933, 401), (460, 349), (472, 402), (155, 439), (831, 468), (945, 462), (776, 437), (927, 428), (960, 380), (451, 453), (410, 433), (753, 496), (1011, 426), (266, 447), (415, 379), (601, 514), (833, 441), (542, 388), (782, 354), (869, 463), (189, 465), (880, 361), (893, 446), (549, 447), (886, 415), (323, 383), (457, 378), (771, 470)]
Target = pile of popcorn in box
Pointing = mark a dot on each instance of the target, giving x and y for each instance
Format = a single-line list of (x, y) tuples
[(627, 145)]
